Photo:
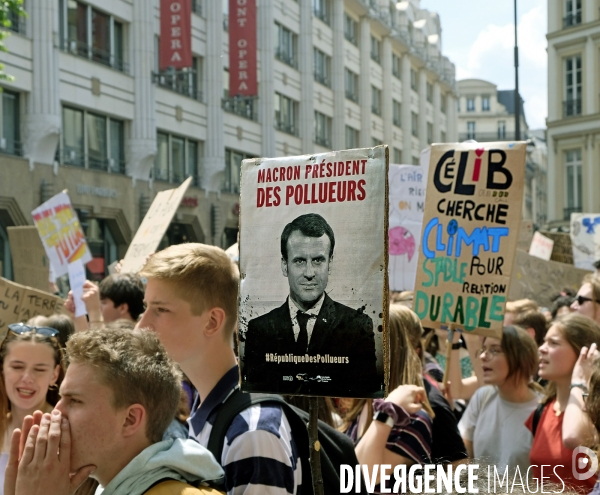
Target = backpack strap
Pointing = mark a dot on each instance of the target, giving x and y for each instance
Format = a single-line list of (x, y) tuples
[(536, 417)]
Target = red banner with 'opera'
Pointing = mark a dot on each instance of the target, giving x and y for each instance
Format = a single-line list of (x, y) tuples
[(175, 34), (242, 48)]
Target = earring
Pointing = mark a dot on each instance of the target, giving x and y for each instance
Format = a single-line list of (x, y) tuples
[(54, 386)]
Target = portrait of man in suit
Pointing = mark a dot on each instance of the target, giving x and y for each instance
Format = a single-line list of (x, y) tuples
[(340, 339)]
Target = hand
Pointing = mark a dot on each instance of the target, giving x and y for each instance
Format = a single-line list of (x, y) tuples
[(118, 266), (17, 445), (409, 397), (585, 364), (70, 304), (447, 393), (91, 298), (45, 465)]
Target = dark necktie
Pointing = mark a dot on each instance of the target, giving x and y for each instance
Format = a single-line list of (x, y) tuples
[(302, 342)]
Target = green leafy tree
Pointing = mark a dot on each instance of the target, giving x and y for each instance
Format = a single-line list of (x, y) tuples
[(9, 9)]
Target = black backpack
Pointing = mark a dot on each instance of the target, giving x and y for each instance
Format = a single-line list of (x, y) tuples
[(336, 448)]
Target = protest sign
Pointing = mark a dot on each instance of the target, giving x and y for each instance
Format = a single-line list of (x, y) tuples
[(585, 238), (20, 303), (407, 203), (31, 266), (540, 280), (541, 246), (562, 250), (470, 233), (313, 294), (525, 235), (76, 281), (61, 233), (153, 227)]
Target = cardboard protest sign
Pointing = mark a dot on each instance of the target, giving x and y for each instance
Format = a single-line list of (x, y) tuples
[(407, 203), (540, 280), (19, 303), (76, 281), (470, 232), (31, 266), (525, 235), (61, 233), (313, 258), (585, 238), (541, 246), (153, 227), (562, 251)]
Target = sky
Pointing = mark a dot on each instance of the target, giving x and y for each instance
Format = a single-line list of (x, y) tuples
[(478, 37)]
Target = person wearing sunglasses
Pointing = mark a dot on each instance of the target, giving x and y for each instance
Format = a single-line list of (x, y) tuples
[(32, 370), (492, 425), (587, 300)]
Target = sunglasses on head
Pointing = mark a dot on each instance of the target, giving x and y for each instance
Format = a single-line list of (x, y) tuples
[(21, 328), (581, 300)]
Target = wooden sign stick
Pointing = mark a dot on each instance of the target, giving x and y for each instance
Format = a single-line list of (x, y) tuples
[(449, 340), (315, 446)]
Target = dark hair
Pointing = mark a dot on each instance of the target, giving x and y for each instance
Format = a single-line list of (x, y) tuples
[(62, 323), (561, 302), (535, 320), (310, 225), (521, 354), (124, 288)]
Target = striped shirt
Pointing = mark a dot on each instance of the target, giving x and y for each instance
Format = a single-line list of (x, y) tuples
[(259, 453)]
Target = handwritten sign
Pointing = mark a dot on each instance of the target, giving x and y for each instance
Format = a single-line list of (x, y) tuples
[(76, 281), (537, 279), (562, 251), (31, 265), (541, 246), (153, 227), (19, 303), (470, 232), (407, 203), (585, 237), (61, 233)]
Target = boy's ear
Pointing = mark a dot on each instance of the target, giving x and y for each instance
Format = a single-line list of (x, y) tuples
[(123, 309), (215, 320), (135, 418)]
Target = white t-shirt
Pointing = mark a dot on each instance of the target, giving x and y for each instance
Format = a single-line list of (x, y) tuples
[(496, 428)]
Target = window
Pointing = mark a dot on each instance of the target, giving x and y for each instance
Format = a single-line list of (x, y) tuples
[(429, 89), (396, 66), (322, 63), (286, 43), (574, 181), (502, 129), (413, 80), (10, 138), (93, 34), (443, 103), (17, 22), (443, 136), (572, 14), (233, 164), (415, 124), (485, 103), (470, 130), (92, 140), (176, 159), (197, 7), (375, 49), (244, 106), (321, 10), (458, 104), (351, 137), (351, 84), (225, 6), (470, 104), (429, 133), (375, 100), (397, 156), (396, 113), (322, 129), (184, 81), (286, 111), (376, 142), (350, 29), (572, 104)]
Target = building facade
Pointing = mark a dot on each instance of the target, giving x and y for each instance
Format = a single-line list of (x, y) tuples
[(488, 114), (573, 108), (90, 111)]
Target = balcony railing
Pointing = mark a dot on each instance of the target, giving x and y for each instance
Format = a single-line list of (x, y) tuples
[(95, 54), (181, 82), (76, 158), (286, 127), (174, 177), (286, 57), (572, 108), (11, 147), (17, 22), (244, 106), (571, 20), (571, 209), (323, 79), (323, 141)]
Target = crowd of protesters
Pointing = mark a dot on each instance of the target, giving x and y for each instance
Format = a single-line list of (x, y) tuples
[(151, 365)]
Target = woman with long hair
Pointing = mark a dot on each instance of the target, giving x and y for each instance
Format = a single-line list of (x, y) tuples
[(32, 369), (396, 430), (492, 425), (559, 354)]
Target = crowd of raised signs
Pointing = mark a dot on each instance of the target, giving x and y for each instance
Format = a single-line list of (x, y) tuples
[(133, 411)]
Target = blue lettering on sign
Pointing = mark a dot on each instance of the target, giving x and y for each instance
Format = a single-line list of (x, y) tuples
[(480, 238)]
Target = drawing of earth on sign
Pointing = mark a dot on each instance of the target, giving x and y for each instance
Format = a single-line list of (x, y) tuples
[(401, 242), (402, 255)]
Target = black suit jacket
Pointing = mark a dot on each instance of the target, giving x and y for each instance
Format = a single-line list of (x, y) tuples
[(340, 332)]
